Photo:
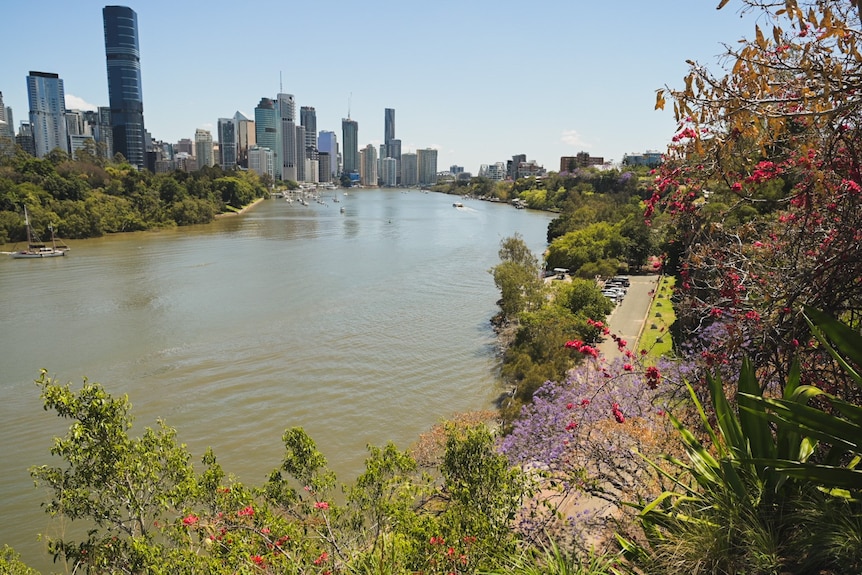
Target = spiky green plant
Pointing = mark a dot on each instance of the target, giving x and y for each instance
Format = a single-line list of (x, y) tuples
[(744, 503)]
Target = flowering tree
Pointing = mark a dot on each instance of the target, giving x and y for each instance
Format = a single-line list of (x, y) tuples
[(585, 435), (762, 188)]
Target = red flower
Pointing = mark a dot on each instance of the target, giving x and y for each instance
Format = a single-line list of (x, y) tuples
[(190, 519), (617, 413), (323, 557), (246, 511), (321, 505), (570, 405), (257, 560), (627, 367)]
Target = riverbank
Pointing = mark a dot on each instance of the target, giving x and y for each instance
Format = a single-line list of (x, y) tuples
[(240, 211)]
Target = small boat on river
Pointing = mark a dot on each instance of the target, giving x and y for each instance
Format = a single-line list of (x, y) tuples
[(36, 248)]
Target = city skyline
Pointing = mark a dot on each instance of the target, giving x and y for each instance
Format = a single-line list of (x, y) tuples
[(579, 78)]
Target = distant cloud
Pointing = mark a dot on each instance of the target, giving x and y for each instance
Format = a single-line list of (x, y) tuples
[(75, 103), (573, 139)]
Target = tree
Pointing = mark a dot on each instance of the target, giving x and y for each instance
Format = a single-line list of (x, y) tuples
[(517, 277), (774, 144), (123, 486)]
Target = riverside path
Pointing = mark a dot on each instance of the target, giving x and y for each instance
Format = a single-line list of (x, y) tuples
[(629, 316)]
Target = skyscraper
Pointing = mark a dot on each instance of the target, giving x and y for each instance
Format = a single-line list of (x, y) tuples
[(409, 169), (289, 153), (204, 148), (350, 135), (227, 143), (301, 175), (368, 166), (266, 130), (124, 83), (388, 130), (245, 138), (426, 161), (308, 120), (47, 112), (327, 142)]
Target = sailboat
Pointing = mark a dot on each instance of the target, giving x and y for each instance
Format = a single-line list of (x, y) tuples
[(35, 247)]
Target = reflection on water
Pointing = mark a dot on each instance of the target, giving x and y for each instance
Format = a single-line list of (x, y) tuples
[(362, 327)]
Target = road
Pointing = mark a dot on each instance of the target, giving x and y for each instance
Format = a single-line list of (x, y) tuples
[(628, 318)]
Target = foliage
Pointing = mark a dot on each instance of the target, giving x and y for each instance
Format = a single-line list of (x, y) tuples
[(145, 509), (764, 491), (552, 560), (760, 194), (581, 434), (86, 197), (10, 563), (517, 278)]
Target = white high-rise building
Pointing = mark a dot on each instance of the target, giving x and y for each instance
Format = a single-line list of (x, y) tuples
[(261, 160), (47, 112), (368, 165), (204, 148)]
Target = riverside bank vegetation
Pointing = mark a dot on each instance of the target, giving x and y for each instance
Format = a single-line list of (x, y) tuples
[(86, 196), (737, 452)]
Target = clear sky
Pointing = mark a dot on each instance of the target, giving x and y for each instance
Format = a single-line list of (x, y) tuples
[(479, 80)]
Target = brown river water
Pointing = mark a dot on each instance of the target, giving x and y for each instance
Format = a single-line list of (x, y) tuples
[(363, 327)]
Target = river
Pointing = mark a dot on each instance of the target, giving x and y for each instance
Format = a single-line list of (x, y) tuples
[(363, 327)]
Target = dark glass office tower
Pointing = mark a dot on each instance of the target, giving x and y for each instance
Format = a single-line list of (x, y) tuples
[(124, 83)]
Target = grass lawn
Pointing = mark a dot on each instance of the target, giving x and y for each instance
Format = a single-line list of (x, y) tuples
[(655, 337)]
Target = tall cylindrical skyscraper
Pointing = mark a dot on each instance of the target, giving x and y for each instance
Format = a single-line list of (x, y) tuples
[(124, 83)]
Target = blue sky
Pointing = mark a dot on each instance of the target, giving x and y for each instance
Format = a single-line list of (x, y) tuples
[(478, 80)]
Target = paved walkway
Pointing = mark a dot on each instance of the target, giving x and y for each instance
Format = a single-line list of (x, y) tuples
[(628, 318)]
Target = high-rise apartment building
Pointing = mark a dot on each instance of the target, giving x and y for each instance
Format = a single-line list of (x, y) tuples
[(426, 161), (261, 160), (204, 148), (409, 170), (389, 172), (245, 138), (124, 83), (368, 166), (327, 142), (227, 143), (266, 130), (350, 137), (47, 112)]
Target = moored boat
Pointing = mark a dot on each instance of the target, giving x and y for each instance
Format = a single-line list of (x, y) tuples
[(36, 248)]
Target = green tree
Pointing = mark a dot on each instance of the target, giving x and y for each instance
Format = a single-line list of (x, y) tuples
[(517, 276), (120, 485)]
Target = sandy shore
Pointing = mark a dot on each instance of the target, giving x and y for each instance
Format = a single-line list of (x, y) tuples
[(242, 211)]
